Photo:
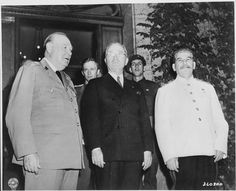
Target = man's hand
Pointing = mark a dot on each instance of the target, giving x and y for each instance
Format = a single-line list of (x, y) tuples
[(173, 164), (147, 160), (218, 155), (97, 157), (31, 163)]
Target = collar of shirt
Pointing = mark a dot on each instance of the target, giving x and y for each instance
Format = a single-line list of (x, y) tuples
[(51, 65), (113, 75), (185, 81)]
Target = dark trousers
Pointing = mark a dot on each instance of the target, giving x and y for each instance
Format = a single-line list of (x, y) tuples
[(86, 177), (196, 173), (118, 176), (149, 180)]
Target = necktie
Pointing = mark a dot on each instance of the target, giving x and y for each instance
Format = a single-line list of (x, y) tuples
[(118, 81), (59, 76)]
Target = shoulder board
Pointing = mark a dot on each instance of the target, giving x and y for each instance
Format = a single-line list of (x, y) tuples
[(29, 62)]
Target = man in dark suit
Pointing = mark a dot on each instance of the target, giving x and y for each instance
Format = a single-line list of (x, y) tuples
[(43, 121), (136, 68), (116, 124), (90, 70)]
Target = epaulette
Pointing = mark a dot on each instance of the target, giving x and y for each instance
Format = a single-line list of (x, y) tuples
[(29, 62)]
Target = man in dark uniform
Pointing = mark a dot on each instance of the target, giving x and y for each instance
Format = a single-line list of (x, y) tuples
[(136, 68), (90, 70)]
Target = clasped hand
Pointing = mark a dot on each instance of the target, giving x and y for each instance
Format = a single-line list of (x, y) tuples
[(218, 155), (97, 157), (31, 163), (147, 160)]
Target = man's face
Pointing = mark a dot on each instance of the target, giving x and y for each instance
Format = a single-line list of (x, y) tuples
[(137, 68), (116, 58), (184, 64), (90, 70), (60, 51)]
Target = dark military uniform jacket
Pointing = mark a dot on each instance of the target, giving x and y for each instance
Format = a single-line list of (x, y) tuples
[(150, 90)]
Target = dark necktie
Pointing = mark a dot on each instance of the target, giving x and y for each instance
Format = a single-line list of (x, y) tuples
[(118, 81), (59, 76)]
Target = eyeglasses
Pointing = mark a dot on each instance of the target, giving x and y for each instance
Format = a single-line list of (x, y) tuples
[(182, 61)]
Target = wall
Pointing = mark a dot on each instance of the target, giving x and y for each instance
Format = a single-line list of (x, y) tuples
[(140, 14), (126, 10)]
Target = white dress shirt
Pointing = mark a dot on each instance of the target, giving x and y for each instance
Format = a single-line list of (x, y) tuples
[(115, 77), (189, 120)]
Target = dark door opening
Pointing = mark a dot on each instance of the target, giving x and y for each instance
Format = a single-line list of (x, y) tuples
[(83, 37)]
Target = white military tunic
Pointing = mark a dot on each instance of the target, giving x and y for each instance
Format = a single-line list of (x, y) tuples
[(189, 120)]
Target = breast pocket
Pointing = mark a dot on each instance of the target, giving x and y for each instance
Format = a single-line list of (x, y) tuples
[(51, 97)]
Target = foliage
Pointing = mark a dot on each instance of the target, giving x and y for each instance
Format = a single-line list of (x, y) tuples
[(208, 29)]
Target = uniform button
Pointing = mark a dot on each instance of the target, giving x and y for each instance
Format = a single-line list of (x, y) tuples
[(71, 99), (199, 119), (191, 93), (76, 111), (119, 111), (194, 100), (197, 108), (78, 124), (188, 84)]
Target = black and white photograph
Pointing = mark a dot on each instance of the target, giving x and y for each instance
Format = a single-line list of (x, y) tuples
[(117, 95)]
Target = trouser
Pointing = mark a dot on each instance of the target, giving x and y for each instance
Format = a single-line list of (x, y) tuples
[(51, 179), (86, 177), (196, 173), (118, 176), (149, 180)]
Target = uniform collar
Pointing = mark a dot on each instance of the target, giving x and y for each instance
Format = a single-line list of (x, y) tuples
[(185, 81), (50, 64)]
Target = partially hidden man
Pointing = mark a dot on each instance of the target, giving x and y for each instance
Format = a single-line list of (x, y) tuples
[(43, 121), (90, 70), (116, 125), (136, 67)]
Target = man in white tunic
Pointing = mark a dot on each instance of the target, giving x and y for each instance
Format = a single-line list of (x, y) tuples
[(190, 126)]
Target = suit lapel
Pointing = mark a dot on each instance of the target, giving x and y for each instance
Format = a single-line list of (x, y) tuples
[(112, 84)]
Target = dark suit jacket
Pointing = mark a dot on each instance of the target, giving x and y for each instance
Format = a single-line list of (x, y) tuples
[(116, 119)]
